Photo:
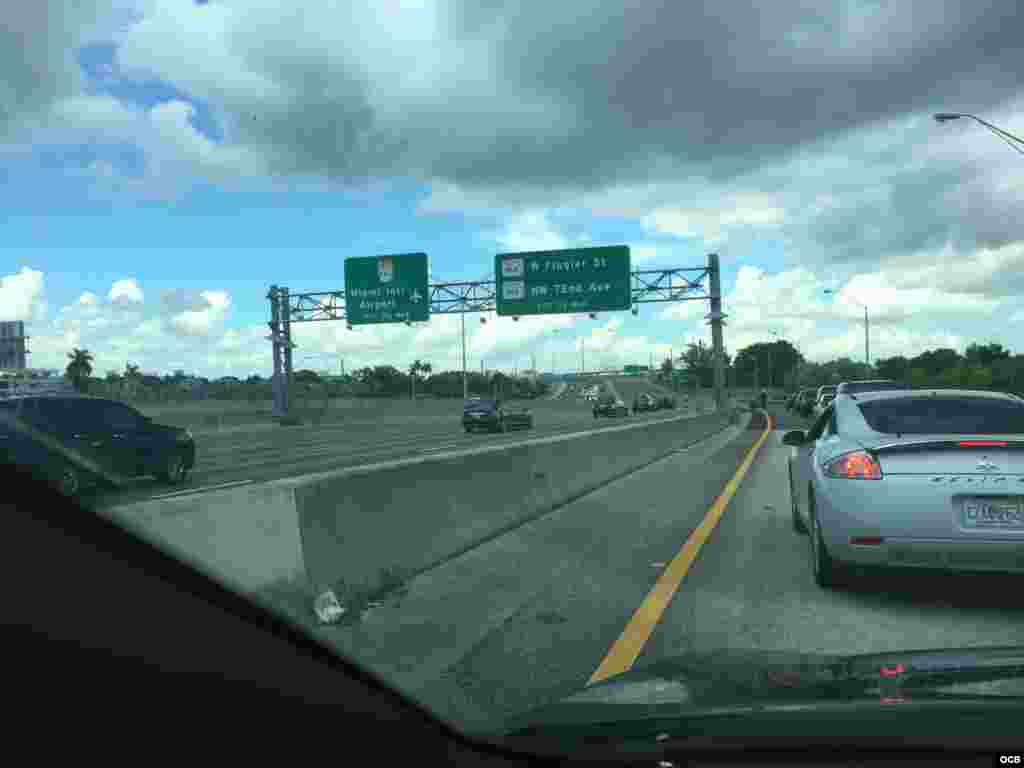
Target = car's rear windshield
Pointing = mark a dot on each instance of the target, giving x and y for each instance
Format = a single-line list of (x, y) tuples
[(483, 405), (944, 415), (867, 386)]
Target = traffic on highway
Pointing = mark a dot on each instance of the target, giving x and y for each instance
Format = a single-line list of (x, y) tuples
[(616, 377)]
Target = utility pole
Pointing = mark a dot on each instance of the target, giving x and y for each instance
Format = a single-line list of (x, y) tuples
[(867, 353)]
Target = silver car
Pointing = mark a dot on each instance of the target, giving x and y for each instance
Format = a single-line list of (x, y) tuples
[(911, 478)]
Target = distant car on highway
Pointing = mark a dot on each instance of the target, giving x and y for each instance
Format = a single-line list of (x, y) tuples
[(495, 416), (911, 479), (646, 402), (805, 401), (610, 406), (77, 442), (823, 403)]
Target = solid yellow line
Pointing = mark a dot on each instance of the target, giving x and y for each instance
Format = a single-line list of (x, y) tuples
[(626, 649)]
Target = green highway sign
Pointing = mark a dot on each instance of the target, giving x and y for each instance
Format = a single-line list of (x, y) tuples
[(557, 282), (387, 289)]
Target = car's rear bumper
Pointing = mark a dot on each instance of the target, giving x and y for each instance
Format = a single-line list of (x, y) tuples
[(958, 556)]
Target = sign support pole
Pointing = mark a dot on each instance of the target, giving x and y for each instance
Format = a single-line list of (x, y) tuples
[(717, 318)]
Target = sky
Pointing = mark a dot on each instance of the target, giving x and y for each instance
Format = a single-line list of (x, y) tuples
[(165, 162)]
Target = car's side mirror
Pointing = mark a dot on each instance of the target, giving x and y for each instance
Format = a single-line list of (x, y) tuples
[(794, 437)]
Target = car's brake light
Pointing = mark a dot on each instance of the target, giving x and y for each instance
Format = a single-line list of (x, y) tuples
[(857, 465), (982, 443)]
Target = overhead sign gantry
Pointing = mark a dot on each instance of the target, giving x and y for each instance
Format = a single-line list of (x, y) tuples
[(395, 289)]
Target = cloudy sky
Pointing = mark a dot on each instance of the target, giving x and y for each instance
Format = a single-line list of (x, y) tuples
[(164, 162)]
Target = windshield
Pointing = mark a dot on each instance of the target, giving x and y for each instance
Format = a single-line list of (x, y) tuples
[(442, 328)]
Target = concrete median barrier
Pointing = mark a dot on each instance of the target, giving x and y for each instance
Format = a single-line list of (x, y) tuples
[(247, 537), (358, 523), (354, 527)]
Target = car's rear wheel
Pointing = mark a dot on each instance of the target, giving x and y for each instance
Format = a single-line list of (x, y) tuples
[(174, 470), (827, 572), (798, 523)]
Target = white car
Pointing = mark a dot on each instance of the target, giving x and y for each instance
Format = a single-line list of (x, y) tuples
[(911, 478)]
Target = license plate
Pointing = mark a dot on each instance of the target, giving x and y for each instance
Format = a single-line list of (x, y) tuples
[(993, 513)]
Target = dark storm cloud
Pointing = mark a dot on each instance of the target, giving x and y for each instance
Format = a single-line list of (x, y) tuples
[(37, 62), (720, 88)]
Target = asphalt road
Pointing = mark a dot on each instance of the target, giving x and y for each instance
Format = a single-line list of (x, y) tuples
[(532, 616), (254, 454)]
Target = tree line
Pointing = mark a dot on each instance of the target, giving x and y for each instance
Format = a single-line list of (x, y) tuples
[(370, 381), (778, 364)]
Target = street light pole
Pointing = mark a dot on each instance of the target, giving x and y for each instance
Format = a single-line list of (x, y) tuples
[(1014, 142), (867, 348)]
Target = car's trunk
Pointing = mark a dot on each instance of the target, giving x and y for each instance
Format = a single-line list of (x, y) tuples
[(953, 487)]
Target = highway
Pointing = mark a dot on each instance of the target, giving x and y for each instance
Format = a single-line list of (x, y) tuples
[(535, 614), (387, 430)]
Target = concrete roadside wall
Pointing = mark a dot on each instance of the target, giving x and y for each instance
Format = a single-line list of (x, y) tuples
[(357, 522), (246, 537)]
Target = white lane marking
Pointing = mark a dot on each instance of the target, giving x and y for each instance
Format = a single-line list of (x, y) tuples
[(201, 489)]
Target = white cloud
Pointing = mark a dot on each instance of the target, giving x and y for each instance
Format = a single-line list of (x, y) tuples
[(126, 291), (195, 314), (530, 231), (713, 221), (21, 295)]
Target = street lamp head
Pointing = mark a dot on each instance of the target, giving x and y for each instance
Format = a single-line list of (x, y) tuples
[(942, 117)]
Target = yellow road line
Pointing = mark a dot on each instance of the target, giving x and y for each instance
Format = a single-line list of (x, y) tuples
[(626, 649)]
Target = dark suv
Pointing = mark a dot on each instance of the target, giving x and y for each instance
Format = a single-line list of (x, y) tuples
[(495, 416), (76, 441)]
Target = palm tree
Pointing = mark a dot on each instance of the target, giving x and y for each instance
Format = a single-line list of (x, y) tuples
[(80, 367), (131, 377)]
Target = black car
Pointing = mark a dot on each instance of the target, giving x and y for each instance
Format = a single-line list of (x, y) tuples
[(495, 416), (646, 402), (76, 441), (610, 407), (667, 402), (804, 404)]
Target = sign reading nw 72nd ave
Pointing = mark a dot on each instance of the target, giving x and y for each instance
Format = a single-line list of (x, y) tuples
[(387, 289), (555, 282)]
